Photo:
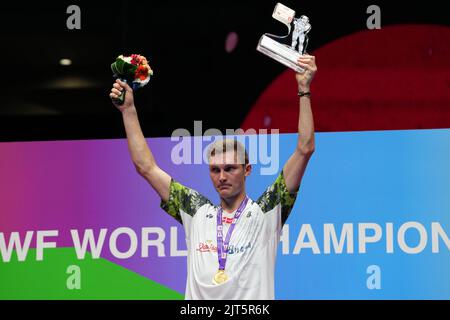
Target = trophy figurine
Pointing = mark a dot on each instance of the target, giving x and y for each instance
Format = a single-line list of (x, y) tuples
[(283, 53)]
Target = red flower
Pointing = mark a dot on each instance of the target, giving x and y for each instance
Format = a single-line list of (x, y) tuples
[(141, 73), (135, 59)]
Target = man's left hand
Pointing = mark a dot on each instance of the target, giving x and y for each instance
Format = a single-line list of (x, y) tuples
[(308, 63)]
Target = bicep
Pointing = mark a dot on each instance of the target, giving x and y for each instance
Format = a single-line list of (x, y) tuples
[(160, 182), (294, 169)]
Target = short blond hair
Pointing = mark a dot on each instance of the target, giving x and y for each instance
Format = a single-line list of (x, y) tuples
[(226, 145)]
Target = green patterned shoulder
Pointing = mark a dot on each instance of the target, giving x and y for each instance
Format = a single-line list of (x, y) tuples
[(183, 198), (277, 194)]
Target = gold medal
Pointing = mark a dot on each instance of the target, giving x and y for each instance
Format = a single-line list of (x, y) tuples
[(220, 277)]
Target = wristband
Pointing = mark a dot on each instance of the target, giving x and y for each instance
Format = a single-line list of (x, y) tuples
[(302, 94)]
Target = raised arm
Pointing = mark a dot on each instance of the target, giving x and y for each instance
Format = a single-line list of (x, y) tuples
[(295, 167), (141, 154)]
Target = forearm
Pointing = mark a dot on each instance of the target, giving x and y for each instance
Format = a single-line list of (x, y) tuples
[(305, 124), (141, 154), (295, 167)]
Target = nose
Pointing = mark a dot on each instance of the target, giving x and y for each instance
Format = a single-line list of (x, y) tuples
[(222, 177)]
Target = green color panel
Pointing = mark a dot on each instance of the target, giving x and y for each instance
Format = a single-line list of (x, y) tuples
[(99, 279)]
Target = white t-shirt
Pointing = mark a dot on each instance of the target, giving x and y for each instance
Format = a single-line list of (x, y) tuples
[(250, 264)]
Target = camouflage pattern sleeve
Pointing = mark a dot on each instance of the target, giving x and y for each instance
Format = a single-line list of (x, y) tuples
[(182, 198), (277, 194)]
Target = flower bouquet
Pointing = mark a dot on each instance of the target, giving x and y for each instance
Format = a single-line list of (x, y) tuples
[(134, 70)]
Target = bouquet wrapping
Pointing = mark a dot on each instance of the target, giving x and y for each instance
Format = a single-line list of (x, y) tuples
[(134, 70)]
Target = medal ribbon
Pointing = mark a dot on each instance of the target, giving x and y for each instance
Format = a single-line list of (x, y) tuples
[(222, 246)]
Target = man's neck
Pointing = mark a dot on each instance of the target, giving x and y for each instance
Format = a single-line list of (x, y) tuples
[(232, 204)]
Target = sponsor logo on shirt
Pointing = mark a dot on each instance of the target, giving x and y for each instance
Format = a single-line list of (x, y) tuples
[(209, 246), (239, 249)]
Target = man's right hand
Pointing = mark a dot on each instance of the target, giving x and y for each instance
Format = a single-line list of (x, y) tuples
[(116, 90)]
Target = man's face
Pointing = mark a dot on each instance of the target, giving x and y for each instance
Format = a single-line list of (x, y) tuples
[(227, 175)]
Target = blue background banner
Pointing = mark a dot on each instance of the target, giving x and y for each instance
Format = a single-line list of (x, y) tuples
[(371, 220)]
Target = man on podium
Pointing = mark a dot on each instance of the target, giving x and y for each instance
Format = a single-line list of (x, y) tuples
[(232, 246)]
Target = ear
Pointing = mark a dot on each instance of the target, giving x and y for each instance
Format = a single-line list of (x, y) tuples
[(248, 169)]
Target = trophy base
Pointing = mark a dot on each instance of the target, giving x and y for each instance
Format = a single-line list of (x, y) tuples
[(279, 52)]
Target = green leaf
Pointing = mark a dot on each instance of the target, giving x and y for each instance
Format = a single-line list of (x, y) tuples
[(124, 69)]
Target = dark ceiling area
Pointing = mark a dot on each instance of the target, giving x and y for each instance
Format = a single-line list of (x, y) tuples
[(195, 77)]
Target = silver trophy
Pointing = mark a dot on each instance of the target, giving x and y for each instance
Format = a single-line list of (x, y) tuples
[(283, 53)]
